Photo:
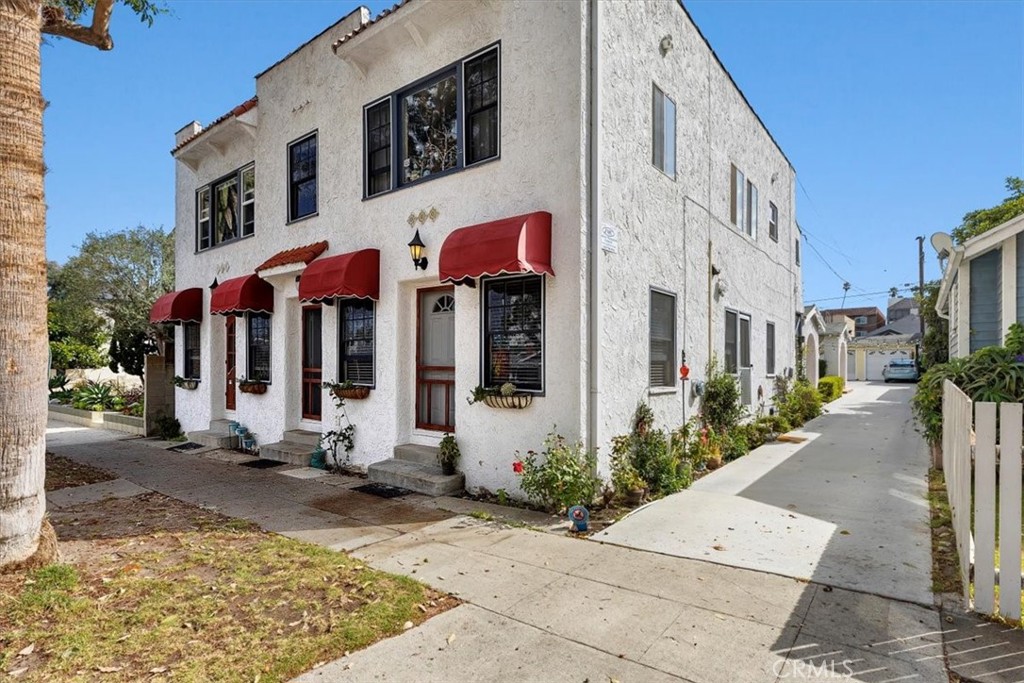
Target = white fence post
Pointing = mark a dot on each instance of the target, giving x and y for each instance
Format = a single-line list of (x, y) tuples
[(1011, 424), (985, 507)]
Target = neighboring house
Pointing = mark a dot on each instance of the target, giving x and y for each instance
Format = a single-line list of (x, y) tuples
[(835, 341), (982, 290), (902, 307), (868, 356), (812, 328), (910, 324), (866, 319), (587, 196)]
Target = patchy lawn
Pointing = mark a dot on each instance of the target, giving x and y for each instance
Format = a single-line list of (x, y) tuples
[(155, 589), (945, 560), (62, 473)]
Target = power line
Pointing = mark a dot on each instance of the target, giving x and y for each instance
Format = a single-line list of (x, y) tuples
[(818, 253), (905, 288)]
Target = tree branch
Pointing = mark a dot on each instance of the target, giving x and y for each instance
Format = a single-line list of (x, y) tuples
[(56, 23)]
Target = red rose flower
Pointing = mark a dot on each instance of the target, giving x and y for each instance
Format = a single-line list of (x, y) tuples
[(517, 467)]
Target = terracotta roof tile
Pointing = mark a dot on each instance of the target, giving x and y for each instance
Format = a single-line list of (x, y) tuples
[(295, 255), (237, 111), (356, 31)]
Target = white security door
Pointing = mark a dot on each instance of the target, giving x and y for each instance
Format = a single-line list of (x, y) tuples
[(435, 361)]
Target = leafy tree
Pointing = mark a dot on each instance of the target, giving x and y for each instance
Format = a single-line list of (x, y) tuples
[(25, 537), (121, 274), (77, 332), (982, 220), (935, 344)]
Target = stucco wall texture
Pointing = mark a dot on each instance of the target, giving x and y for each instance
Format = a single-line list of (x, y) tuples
[(664, 225)]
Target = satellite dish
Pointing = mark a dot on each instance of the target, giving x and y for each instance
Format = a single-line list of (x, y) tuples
[(943, 244)]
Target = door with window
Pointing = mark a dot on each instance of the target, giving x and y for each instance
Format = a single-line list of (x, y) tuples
[(435, 359), (229, 362), (312, 362)]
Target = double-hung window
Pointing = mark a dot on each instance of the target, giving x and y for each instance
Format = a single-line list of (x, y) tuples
[(664, 133), (751, 222), (773, 221), (192, 357), (441, 124), (737, 203), (226, 209), (258, 347), (769, 347), (662, 331), (302, 178), (513, 332), (737, 341), (355, 355)]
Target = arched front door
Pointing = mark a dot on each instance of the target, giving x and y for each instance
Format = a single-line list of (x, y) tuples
[(435, 359)]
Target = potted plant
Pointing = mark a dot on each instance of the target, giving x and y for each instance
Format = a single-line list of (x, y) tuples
[(626, 480), (185, 383), (347, 389), (448, 454), (249, 386), (505, 396)]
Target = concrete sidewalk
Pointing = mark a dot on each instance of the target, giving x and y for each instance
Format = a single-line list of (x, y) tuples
[(847, 508), (540, 606)]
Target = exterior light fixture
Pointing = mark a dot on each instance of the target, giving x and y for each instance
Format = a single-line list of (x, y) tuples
[(416, 250), (214, 284)]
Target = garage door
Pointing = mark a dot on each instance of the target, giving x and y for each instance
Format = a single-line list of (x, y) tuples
[(877, 360), (851, 366)]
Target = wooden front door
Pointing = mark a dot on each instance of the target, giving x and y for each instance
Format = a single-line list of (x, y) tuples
[(435, 359), (312, 362), (229, 362)]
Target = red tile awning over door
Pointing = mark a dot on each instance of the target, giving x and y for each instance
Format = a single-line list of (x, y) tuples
[(355, 274), (183, 306), (246, 294), (521, 244)]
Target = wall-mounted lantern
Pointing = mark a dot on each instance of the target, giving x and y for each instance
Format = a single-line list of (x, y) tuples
[(416, 247)]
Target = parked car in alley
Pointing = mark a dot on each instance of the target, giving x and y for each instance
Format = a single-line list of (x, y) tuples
[(900, 370)]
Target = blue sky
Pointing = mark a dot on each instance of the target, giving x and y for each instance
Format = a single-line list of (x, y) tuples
[(899, 117)]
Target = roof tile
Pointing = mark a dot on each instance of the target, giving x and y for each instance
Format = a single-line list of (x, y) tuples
[(295, 255), (237, 111)]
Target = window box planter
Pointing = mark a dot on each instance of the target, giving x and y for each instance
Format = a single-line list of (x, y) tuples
[(516, 401), (190, 384), (352, 393), (252, 387)]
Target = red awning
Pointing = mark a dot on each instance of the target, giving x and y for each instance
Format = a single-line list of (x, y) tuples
[(184, 306), (521, 244), (355, 274), (246, 294)]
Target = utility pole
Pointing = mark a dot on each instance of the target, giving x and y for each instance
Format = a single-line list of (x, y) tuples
[(920, 292)]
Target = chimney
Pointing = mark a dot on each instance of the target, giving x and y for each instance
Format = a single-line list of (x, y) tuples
[(187, 132)]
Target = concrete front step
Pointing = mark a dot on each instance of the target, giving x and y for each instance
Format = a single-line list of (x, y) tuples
[(412, 452), (289, 452), (216, 438), (426, 479), (303, 436)]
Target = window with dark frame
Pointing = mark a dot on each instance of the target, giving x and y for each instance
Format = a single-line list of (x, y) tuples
[(355, 335), (797, 251), (226, 209), (513, 332), (662, 332), (302, 171), (258, 347), (664, 133), (378, 148), (773, 221), (190, 332), (449, 122), (737, 202), (769, 363), (731, 324), (751, 220), (480, 94), (737, 342)]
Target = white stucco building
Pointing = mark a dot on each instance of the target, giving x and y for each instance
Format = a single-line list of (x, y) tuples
[(594, 194)]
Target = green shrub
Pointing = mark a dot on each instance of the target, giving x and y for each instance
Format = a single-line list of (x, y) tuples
[(830, 388), (720, 407), (799, 404), (647, 452), (94, 396), (776, 424), (735, 444), (563, 477), (167, 427)]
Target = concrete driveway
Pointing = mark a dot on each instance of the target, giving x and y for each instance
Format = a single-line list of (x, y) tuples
[(846, 508)]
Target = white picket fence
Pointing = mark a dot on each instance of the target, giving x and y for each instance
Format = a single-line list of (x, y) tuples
[(970, 429)]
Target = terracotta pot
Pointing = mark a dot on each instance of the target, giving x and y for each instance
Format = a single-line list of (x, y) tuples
[(352, 393), (634, 496)]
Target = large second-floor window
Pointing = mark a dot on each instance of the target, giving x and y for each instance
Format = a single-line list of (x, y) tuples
[(226, 209), (773, 221), (444, 123), (513, 343), (302, 171)]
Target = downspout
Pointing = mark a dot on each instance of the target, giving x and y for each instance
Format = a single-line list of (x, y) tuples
[(593, 220), (711, 277)]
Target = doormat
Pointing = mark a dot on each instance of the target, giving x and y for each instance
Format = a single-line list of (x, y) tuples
[(382, 490), (262, 464), (187, 446)]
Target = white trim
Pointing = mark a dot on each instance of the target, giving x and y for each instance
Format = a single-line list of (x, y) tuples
[(978, 245)]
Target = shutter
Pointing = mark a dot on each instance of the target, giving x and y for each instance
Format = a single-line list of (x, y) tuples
[(986, 298), (662, 340), (732, 194)]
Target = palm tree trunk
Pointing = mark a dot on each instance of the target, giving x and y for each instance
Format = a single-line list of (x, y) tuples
[(23, 337)]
